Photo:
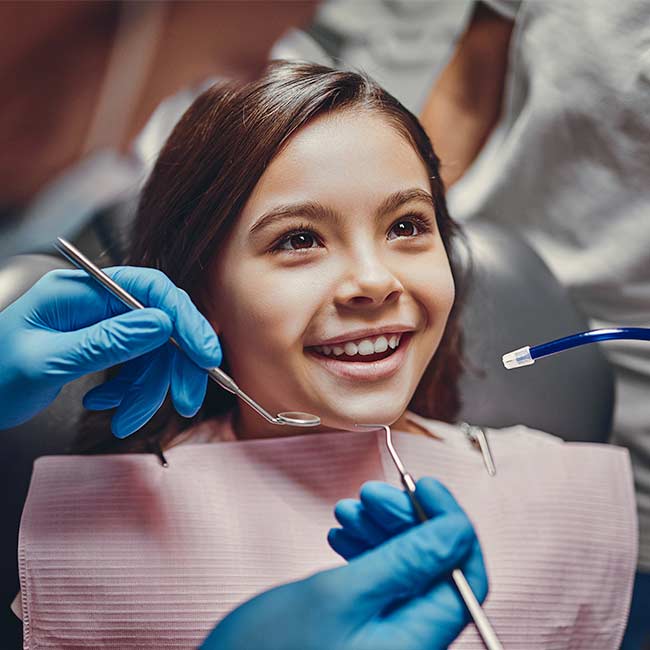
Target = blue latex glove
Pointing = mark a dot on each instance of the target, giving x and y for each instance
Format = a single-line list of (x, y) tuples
[(397, 595), (67, 326)]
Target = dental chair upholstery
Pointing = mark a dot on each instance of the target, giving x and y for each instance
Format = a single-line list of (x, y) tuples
[(514, 300)]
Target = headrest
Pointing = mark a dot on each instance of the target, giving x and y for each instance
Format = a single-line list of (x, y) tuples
[(514, 300)]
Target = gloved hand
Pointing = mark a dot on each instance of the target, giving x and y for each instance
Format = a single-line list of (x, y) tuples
[(67, 325), (397, 595)]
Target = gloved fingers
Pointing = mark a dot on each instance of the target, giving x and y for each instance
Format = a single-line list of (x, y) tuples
[(435, 497), (443, 604), (154, 289), (188, 385), (391, 509), (110, 342), (411, 562), (385, 511), (145, 396), (111, 393), (433, 619), (351, 514), (347, 546), (105, 396)]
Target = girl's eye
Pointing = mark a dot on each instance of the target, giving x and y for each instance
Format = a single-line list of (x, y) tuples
[(296, 241), (409, 227)]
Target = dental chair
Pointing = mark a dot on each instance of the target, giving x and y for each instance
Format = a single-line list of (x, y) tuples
[(514, 300)]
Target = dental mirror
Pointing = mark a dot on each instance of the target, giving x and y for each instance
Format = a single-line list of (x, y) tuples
[(299, 419)]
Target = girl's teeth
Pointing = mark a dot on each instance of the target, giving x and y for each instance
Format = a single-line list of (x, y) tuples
[(351, 349), (381, 344), (363, 348)]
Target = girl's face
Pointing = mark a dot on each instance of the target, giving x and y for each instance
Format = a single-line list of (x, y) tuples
[(332, 292)]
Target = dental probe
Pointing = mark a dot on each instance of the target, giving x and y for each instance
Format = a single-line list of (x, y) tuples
[(479, 617), (291, 418), (527, 355)]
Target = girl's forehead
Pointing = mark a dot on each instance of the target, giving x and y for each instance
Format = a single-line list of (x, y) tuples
[(346, 159)]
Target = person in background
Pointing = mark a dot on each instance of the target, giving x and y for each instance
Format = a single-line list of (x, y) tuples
[(541, 121)]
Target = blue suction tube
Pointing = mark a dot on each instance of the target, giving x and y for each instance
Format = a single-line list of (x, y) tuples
[(527, 355)]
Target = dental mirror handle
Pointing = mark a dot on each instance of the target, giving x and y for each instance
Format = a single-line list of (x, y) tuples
[(225, 381), (479, 617)]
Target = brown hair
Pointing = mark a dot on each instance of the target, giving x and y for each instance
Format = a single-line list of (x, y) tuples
[(203, 177)]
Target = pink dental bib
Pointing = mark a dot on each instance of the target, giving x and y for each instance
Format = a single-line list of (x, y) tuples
[(117, 551)]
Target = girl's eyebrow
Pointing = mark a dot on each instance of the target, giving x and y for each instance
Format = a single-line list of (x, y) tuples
[(316, 211), (396, 199), (306, 209)]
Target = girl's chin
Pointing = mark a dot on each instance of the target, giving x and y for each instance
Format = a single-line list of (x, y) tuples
[(348, 419)]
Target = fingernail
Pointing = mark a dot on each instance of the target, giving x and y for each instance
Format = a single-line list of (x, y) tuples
[(216, 353), (212, 344)]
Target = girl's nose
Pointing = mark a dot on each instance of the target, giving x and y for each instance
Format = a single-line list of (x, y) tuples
[(368, 282)]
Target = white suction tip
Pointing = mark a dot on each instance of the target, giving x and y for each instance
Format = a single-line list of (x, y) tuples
[(518, 358)]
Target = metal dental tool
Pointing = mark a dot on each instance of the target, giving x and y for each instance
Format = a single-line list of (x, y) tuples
[(291, 418), (478, 438), (527, 355), (481, 621)]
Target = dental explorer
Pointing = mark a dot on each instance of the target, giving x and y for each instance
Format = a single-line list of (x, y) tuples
[(76, 257), (479, 617), (527, 355)]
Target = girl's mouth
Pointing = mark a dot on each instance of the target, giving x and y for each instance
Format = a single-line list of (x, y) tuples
[(369, 349), (371, 358)]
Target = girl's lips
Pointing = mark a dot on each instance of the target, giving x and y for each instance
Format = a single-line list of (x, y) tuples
[(365, 370)]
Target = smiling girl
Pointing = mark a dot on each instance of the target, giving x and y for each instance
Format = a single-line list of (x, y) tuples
[(305, 216)]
